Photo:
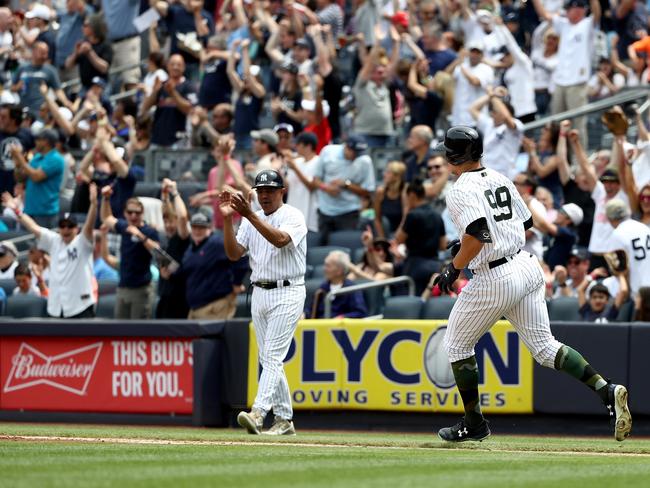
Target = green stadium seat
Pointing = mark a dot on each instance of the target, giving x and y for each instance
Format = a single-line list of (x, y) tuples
[(563, 309), (438, 308), (26, 306), (403, 307)]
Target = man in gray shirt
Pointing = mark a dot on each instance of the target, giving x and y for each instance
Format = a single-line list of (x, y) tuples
[(374, 119)]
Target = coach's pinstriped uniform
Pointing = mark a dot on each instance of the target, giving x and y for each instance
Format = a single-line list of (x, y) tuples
[(514, 289), (276, 311)]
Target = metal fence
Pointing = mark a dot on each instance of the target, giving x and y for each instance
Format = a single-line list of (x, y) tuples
[(599, 136), (195, 163)]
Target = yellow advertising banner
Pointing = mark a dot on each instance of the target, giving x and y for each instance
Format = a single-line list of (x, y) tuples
[(397, 365)]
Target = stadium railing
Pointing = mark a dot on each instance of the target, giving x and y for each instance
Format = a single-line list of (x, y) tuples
[(599, 136), (329, 298)]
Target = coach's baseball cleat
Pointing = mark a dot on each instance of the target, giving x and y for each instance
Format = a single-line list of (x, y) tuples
[(462, 432), (618, 411), (281, 427), (252, 421)]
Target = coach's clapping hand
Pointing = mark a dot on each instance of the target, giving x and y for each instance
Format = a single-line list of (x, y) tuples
[(225, 206), (445, 280), (241, 204)]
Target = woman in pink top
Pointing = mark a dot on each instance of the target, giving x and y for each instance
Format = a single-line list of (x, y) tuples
[(226, 173)]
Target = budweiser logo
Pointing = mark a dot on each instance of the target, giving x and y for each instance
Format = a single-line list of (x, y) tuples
[(70, 371)]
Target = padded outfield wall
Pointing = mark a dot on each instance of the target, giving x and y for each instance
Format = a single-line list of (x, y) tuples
[(197, 372)]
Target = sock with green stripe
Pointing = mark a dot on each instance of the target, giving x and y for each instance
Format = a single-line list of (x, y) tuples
[(466, 375), (571, 361)]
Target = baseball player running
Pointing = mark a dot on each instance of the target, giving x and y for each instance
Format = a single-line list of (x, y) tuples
[(276, 240), (491, 217)]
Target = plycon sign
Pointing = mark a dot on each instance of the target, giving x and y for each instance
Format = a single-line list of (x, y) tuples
[(397, 365)]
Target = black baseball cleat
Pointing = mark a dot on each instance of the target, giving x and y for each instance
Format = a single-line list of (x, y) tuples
[(462, 432), (618, 411)]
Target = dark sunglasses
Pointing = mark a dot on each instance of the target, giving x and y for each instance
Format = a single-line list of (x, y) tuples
[(645, 198), (133, 212)]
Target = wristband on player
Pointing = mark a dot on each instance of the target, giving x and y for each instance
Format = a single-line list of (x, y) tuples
[(18, 212)]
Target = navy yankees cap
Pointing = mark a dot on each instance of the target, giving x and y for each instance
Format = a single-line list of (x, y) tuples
[(68, 219), (356, 142), (269, 178)]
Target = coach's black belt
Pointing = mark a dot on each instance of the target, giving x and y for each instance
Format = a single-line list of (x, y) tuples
[(270, 285), (498, 262)]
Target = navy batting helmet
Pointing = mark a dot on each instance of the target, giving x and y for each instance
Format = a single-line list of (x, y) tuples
[(269, 178), (462, 144)]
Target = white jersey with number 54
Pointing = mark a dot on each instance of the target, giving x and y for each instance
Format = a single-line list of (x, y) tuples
[(484, 193), (634, 238)]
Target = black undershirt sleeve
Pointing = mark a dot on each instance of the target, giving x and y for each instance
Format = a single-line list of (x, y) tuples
[(479, 229), (529, 223)]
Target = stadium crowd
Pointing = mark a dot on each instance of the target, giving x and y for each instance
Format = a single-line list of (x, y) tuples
[(311, 89)]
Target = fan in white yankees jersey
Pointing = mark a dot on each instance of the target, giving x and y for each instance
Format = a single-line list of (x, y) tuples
[(492, 218), (275, 239), (634, 238)]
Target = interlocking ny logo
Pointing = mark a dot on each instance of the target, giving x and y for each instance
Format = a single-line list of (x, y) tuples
[(263, 177), (70, 371)]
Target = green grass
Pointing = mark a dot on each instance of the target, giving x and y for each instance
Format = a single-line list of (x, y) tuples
[(332, 459)]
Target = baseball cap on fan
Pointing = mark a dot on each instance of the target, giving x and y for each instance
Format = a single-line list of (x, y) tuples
[(265, 135), (357, 143), (39, 11), (199, 219), (610, 174), (269, 178), (476, 45), (574, 213), (400, 18), (580, 252), (68, 219), (8, 247)]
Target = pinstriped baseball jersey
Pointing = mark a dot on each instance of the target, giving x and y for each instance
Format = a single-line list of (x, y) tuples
[(484, 193), (276, 311), (269, 263), (514, 288)]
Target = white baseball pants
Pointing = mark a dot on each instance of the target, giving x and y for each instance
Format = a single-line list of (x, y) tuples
[(514, 290), (275, 316)]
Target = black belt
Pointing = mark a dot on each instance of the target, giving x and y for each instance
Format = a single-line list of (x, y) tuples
[(498, 262), (270, 285)]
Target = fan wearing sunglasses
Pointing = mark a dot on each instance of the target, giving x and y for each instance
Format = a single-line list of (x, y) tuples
[(135, 292), (71, 253)]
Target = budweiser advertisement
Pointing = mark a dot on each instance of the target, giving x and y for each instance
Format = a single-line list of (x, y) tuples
[(96, 374)]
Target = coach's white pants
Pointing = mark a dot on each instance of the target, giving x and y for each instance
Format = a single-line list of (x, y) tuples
[(514, 290), (275, 317)]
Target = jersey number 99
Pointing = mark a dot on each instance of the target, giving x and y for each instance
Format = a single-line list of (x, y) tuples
[(501, 201)]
